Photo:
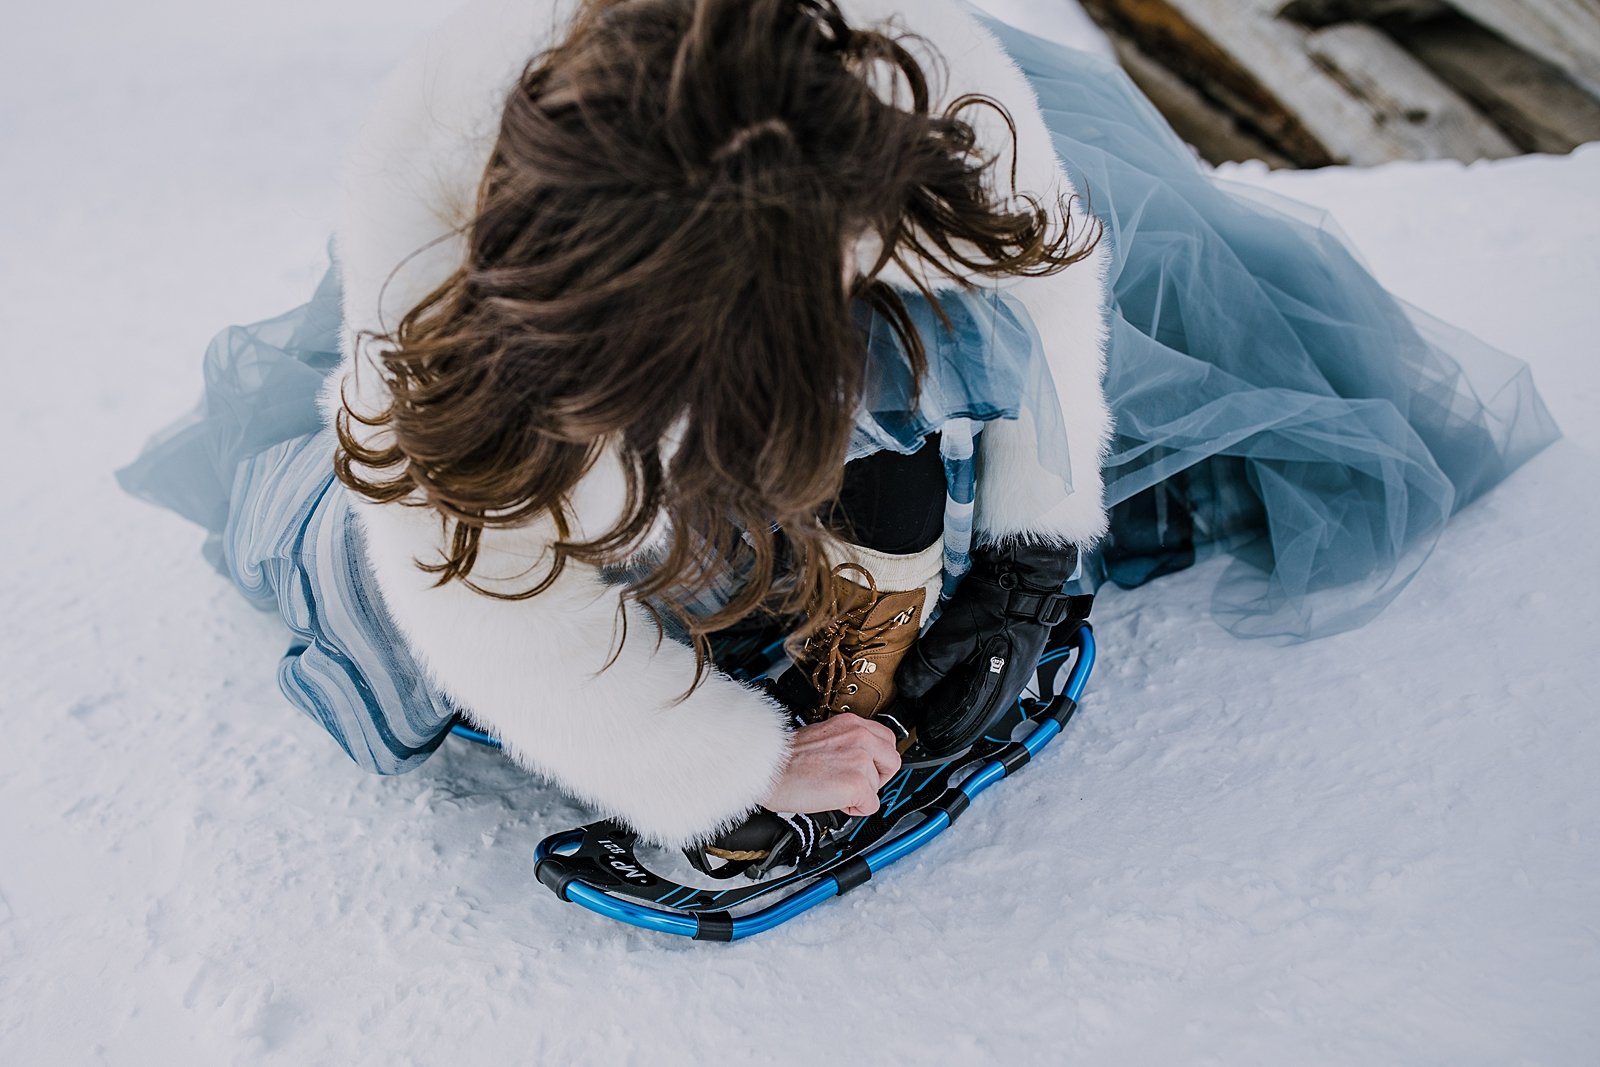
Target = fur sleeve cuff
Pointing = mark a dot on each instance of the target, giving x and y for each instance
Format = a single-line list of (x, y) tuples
[(532, 672)]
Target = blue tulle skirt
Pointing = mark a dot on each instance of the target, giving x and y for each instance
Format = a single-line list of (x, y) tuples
[(1272, 402), (1271, 399), (253, 465)]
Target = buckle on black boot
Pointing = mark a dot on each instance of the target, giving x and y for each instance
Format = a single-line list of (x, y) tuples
[(1054, 610), (1049, 609)]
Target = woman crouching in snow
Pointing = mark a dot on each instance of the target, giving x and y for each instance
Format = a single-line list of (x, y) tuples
[(636, 337), (688, 323), (778, 318)]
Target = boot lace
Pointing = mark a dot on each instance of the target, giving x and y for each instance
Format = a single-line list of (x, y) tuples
[(846, 641)]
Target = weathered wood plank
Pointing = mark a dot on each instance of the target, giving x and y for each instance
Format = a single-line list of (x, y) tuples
[(1323, 12), (1564, 33), (1537, 106), (1195, 52), (1212, 131), (1427, 115), (1241, 55)]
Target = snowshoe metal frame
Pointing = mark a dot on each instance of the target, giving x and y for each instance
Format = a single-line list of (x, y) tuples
[(595, 866)]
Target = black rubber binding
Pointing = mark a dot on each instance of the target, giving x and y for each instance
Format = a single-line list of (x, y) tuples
[(556, 875), (1014, 757), (852, 874), (713, 926), (952, 804)]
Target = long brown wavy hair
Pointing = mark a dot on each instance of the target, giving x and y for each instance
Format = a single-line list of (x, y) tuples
[(663, 251)]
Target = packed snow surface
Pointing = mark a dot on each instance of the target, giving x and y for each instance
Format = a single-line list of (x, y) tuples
[(1381, 848)]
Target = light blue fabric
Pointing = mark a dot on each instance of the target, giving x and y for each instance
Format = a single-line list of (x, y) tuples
[(253, 465), (301, 552), (1271, 400), (984, 362)]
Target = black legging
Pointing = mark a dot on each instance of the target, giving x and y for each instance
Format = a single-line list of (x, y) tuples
[(892, 503), (889, 503)]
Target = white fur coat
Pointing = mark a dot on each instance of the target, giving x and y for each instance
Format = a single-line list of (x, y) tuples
[(529, 671)]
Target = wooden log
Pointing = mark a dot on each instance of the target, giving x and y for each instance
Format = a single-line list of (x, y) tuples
[(1210, 130), (1416, 107), (1324, 12), (1194, 50), (1241, 55), (1564, 33), (1537, 106)]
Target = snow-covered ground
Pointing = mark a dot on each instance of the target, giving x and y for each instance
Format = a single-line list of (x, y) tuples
[(1382, 848)]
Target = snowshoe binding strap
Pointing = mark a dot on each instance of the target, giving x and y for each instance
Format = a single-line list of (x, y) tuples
[(764, 842)]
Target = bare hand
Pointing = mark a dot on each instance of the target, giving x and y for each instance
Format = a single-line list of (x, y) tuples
[(837, 764)]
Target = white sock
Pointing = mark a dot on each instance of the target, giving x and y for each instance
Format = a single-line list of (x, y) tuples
[(893, 573)]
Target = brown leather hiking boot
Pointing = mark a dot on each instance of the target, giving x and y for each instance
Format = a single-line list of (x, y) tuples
[(847, 666), (852, 660)]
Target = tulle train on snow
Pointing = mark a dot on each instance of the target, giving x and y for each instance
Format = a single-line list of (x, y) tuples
[(1271, 398)]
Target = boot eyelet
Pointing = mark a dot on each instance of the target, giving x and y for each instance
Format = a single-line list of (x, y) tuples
[(851, 688), (844, 707), (1008, 580)]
